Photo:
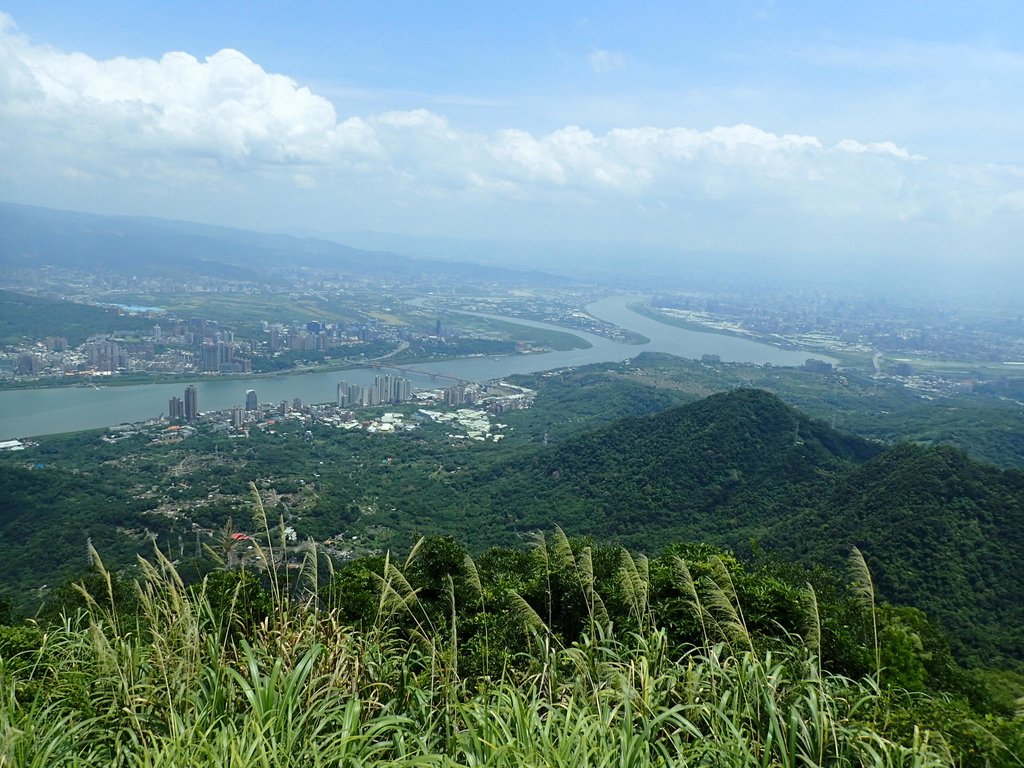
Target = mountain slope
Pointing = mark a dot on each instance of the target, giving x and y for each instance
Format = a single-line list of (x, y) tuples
[(47, 516), (702, 470), (943, 532), (32, 237), (940, 530)]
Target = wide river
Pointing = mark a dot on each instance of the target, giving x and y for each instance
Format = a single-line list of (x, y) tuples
[(32, 412)]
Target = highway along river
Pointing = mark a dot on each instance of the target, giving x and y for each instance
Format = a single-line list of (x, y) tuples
[(32, 412)]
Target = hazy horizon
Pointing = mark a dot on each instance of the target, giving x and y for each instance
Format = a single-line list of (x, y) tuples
[(814, 138)]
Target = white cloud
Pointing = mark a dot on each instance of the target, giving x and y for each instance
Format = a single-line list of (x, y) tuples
[(225, 106), (602, 61), (878, 147), (229, 134)]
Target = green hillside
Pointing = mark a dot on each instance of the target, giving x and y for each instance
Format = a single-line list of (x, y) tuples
[(986, 425), (738, 469), (945, 533), (36, 317), (685, 470), (47, 517), (742, 467)]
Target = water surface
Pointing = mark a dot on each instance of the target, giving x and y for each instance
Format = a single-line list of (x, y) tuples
[(31, 412)]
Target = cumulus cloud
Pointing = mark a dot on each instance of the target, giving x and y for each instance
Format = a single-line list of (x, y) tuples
[(223, 106), (228, 109), (224, 125), (879, 148)]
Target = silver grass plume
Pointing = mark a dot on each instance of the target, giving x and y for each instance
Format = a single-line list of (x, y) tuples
[(863, 587)]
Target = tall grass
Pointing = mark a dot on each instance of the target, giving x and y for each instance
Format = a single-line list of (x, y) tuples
[(180, 686)]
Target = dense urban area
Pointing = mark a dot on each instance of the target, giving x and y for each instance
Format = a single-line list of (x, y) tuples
[(929, 348)]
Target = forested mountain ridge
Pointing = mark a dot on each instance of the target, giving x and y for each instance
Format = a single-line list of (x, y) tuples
[(739, 469), (988, 427), (743, 469), (944, 532), (685, 471)]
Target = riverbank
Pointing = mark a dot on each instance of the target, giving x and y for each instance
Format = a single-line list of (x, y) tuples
[(537, 340), (846, 357), (42, 411), (129, 380)]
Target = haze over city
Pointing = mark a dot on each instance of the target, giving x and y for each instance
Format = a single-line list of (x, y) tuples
[(790, 131)]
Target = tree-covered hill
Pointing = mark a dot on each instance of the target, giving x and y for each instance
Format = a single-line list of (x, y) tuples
[(35, 317), (742, 467), (986, 425), (738, 469), (945, 533), (735, 461), (47, 516)]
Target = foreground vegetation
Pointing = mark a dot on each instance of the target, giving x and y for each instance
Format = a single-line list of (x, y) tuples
[(739, 469), (566, 654)]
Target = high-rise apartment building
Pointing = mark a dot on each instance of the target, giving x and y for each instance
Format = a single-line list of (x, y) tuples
[(391, 389), (175, 409), (455, 395), (216, 357), (191, 403)]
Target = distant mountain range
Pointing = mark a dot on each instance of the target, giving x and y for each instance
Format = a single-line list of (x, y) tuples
[(32, 237), (153, 247)]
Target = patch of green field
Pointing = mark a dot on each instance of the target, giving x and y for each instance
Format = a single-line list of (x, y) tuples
[(511, 331), (23, 316), (248, 308)]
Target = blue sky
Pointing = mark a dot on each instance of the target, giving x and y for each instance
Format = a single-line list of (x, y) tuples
[(891, 129)]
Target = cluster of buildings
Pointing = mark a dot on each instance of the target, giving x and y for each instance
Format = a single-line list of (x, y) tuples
[(386, 390), (184, 413), (495, 398), (840, 323), (186, 409), (195, 346), (321, 337), (817, 366), (474, 424)]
